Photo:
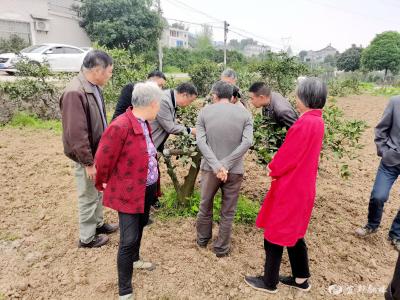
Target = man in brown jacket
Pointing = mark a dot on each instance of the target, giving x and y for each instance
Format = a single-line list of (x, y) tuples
[(84, 120)]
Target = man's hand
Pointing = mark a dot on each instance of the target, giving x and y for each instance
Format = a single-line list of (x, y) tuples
[(91, 172), (104, 185), (222, 174), (193, 131)]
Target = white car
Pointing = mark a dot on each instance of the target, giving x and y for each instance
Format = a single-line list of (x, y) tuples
[(61, 58)]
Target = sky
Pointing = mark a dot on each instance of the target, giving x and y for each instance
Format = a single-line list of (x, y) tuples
[(302, 24)]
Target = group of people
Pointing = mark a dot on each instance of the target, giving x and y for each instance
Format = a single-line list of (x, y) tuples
[(117, 164)]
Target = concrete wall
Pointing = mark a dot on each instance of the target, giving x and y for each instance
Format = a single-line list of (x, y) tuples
[(64, 25)]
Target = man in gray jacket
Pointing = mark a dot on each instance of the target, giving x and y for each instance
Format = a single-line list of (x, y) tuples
[(274, 105), (165, 123), (387, 140), (224, 134)]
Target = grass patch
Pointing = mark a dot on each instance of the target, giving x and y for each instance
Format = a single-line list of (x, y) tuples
[(246, 211), (377, 90), (24, 120), (2, 297), (9, 237)]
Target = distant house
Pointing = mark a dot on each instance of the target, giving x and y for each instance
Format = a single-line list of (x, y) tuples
[(320, 55), (42, 21), (255, 50), (173, 37)]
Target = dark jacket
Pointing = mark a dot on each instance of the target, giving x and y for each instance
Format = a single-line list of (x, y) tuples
[(122, 163), (81, 120), (124, 101), (393, 291), (387, 137), (280, 111)]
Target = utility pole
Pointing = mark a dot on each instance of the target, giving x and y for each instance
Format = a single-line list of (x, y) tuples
[(160, 51), (226, 25)]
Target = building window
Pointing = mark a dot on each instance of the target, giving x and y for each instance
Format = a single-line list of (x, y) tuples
[(174, 33), (21, 29), (179, 43)]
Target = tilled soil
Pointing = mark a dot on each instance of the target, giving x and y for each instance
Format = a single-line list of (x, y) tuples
[(39, 258)]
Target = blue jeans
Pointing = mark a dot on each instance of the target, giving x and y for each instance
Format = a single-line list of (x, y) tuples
[(385, 178)]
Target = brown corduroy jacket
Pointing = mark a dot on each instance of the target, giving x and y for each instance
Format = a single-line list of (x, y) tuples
[(81, 120)]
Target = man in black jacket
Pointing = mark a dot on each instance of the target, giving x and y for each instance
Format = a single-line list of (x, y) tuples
[(125, 99), (393, 291)]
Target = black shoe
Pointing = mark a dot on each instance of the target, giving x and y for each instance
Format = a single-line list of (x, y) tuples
[(107, 229), (157, 205), (98, 241), (257, 283), (220, 255), (291, 281), (201, 244)]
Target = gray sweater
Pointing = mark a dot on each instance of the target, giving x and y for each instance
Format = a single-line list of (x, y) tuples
[(224, 134)]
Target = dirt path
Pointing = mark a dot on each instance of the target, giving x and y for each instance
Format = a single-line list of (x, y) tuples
[(38, 232)]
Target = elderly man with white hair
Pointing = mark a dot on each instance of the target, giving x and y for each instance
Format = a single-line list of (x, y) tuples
[(128, 176)]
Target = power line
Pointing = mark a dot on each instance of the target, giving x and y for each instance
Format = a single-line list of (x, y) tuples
[(194, 23), (184, 5)]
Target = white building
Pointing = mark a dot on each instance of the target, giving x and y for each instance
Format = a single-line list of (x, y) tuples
[(255, 50), (175, 38), (320, 55), (42, 21)]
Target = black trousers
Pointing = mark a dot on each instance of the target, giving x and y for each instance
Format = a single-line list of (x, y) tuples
[(131, 231), (273, 256), (393, 291)]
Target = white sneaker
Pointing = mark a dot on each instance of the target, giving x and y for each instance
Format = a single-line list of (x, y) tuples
[(126, 297), (143, 265)]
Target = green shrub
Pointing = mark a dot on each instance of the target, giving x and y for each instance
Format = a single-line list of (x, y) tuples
[(26, 88), (280, 72), (13, 44), (203, 75), (29, 68), (340, 87), (128, 68), (246, 212)]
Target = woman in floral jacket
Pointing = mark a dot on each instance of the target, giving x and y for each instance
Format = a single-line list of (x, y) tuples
[(127, 173)]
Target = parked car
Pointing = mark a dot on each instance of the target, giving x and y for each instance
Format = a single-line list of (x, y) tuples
[(61, 58)]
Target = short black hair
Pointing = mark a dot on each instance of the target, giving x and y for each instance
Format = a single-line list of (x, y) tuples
[(97, 58), (187, 88), (260, 88), (222, 89), (312, 92), (157, 73), (236, 92)]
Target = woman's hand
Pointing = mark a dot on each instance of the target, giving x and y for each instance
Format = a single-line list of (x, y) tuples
[(104, 185)]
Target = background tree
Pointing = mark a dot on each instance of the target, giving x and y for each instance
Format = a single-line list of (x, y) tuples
[(127, 24), (280, 72), (383, 53), (330, 61), (350, 59), (204, 38)]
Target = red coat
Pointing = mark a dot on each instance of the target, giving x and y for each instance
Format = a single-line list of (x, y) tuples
[(121, 162), (286, 211)]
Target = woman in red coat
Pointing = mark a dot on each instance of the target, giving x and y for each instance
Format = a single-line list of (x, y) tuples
[(286, 211), (127, 173)]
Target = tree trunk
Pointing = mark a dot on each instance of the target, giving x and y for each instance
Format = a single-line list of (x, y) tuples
[(187, 187), (185, 190)]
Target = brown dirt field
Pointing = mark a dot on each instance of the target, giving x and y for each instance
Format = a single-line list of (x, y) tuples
[(39, 258)]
